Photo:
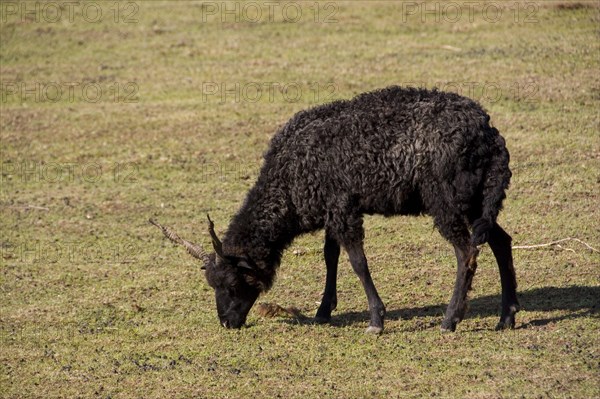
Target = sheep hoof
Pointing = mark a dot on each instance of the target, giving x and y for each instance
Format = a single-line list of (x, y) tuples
[(506, 324), (507, 320), (374, 330), (321, 320), (448, 327)]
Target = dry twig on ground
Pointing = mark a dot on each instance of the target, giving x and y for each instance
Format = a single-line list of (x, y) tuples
[(557, 244)]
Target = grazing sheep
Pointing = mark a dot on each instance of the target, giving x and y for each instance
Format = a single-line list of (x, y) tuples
[(395, 151)]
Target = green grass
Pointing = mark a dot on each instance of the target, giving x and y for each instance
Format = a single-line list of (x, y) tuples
[(96, 303)]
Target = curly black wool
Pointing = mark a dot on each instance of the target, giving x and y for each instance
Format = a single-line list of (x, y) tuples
[(394, 151)]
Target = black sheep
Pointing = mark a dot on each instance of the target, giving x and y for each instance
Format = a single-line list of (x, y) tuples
[(395, 151)]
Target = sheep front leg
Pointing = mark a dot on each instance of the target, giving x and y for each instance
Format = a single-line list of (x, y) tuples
[(466, 257), (331, 251), (376, 307)]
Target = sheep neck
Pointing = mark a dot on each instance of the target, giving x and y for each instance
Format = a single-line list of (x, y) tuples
[(262, 229)]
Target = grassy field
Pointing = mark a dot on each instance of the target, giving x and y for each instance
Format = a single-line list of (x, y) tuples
[(112, 113)]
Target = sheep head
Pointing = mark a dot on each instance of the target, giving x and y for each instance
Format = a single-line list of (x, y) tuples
[(229, 276)]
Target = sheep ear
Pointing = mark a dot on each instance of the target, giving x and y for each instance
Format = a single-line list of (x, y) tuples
[(250, 275)]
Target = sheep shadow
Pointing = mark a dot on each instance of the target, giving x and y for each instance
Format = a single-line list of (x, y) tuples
[(579, 301)]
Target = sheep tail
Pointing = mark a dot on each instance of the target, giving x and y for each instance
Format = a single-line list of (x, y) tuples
[(496, 181)]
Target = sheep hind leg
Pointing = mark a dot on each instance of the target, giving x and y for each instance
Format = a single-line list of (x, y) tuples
[(466, 256), (500, 243), (331, 251)]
